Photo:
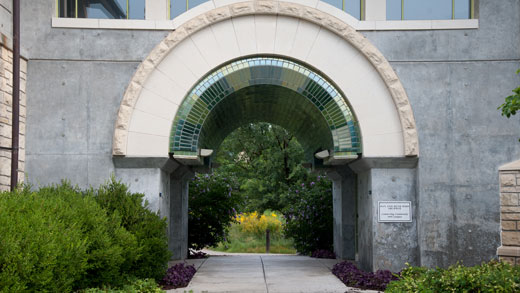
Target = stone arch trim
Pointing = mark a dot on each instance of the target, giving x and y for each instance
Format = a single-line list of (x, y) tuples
[(313, 15)]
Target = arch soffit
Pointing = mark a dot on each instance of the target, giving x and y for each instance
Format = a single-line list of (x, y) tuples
[(313, 15)]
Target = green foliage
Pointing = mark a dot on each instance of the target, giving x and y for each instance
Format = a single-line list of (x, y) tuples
[(150, 258), (512, 102), (308, 214), (265, 159), (213, 200), (57, 240), (240, 241), (60, 239), (488, 277), (135, 286)]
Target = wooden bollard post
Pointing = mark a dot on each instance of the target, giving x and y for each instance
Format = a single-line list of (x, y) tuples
[(267, 241)]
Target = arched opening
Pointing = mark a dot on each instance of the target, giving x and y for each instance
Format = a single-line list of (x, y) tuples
[(265, 89), (282, 92), (374, 149)]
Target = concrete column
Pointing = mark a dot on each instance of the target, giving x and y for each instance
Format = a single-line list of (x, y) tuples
[(386, 245), (156, 10), (344, 210), (178, 221), (375, 9)]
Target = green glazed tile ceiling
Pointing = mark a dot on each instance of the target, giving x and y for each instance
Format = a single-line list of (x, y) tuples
[(265, 89)]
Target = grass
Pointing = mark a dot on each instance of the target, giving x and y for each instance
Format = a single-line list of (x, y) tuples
[(249, 243)]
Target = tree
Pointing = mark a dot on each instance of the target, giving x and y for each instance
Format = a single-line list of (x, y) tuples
[(265, 159), (512, 103)]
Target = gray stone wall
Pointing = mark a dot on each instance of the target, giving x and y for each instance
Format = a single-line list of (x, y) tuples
[(455, 79)]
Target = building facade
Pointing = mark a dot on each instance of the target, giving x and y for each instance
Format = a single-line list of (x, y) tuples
[(396, 107)]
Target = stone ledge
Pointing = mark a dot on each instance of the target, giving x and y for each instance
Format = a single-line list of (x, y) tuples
[(365, 25), (513, 166), (508, 251)]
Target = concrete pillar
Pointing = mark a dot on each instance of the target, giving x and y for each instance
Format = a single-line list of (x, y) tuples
[(178, 221), (382, 244), (344, 210)]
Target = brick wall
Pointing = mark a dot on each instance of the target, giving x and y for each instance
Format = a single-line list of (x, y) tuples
[(6, 102), (509, 251)]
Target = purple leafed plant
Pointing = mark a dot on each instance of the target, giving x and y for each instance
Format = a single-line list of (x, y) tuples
[(323, 253), (349, 274), (178, 276)]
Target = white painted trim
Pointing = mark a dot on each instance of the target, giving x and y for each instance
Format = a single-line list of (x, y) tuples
[(375, 18), (383, 25)]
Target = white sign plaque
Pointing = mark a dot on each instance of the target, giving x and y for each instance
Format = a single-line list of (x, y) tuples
[(394, 211)]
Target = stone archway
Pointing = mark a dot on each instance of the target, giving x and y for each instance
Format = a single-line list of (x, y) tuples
[(165, 87)]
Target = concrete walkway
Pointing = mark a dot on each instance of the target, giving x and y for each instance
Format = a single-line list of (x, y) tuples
[(264, 273)]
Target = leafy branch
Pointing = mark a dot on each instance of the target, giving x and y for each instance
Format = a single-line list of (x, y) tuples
[(512, 103)]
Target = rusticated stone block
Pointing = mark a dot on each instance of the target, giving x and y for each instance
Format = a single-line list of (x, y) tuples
[(270, 7), (508, 225), (158, 53), (510, 216), (291, 9), (507, 180), (195, 24), (132, 93), (509, 199), (511, 238), (176, 37), (218, 14), (243, 8), (508, 259), (510, 209)]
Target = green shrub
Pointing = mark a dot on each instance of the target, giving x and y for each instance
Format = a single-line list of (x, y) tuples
[(488, 277), (135, 286), (211, 209), (57, 239), (308, 215), (150, 257)]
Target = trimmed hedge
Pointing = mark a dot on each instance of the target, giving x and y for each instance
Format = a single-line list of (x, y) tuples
[(149, 229), (60, 239), (487, 277)]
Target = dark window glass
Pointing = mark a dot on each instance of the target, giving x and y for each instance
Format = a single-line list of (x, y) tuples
[(112, 9), (462, 9), (393, 9), (177, 7), (67, 8)]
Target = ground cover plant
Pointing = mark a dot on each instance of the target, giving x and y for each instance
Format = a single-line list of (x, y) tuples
[(352, 276), (60, 239), (487, 277), (248, 234), (178, 276), (323, 253)]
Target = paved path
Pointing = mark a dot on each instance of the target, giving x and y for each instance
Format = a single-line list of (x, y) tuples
[(264, 273)]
